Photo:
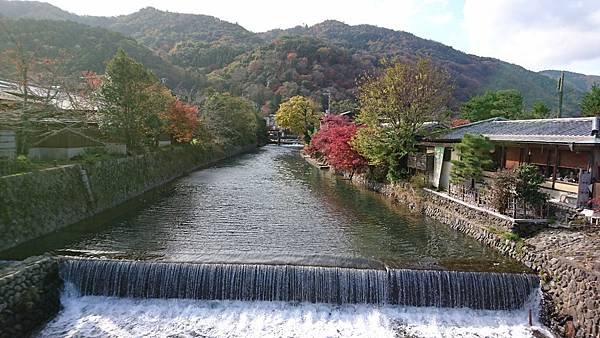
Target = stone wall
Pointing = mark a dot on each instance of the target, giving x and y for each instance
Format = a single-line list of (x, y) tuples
[(571, 288), (572, 292), (29, 295), (38, 203)]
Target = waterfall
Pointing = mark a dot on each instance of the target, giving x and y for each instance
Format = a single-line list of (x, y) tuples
[(476, 290), (254, 282)]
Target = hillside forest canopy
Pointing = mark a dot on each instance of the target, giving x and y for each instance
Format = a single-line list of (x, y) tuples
[(195, 55)]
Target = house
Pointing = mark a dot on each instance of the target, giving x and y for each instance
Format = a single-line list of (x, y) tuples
[(566, 151), (59, 125)]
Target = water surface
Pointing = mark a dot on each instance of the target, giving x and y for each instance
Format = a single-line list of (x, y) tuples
[(272, 207)]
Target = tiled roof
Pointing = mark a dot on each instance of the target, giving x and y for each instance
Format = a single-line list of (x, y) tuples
[(563, 130)]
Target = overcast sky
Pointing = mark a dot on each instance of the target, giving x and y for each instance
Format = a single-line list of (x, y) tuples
[(536, 34)]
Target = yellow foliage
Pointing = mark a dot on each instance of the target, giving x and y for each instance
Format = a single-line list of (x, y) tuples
[(298, 114)]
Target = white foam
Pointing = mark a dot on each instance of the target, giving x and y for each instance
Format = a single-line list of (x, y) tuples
[(93, 316)]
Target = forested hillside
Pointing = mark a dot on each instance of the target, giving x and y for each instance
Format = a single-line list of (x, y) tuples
[(267, 67), (78, 47), (578, 81)]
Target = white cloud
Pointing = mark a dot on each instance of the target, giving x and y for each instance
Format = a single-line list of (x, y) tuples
[(537, 34)]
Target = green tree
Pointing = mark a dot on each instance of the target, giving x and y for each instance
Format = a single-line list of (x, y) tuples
[(501, 103), (590, 105), (342, 106), (131, 100), (527, 185), (474, 157), (540, 111), (231, 120), (394, 107), (299, 115)]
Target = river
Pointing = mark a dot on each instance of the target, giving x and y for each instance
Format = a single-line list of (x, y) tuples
[(272, 216)]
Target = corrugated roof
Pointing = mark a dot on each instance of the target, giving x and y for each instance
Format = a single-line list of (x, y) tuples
[(563, 130)]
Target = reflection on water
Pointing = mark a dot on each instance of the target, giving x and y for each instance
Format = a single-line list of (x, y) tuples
[(273, 207)]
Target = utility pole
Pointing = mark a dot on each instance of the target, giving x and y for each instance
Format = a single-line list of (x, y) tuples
[(328, 111), (559, 88)]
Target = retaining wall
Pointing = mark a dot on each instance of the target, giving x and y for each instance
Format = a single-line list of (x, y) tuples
[(37, 203), (571, 290), (29, 295)]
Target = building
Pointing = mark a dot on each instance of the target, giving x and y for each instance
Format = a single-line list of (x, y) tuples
[(566, 151)]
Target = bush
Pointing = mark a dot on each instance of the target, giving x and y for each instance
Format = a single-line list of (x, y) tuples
[(23, 164), (501, 190), (92, 155), (511, 236), (419, 181)]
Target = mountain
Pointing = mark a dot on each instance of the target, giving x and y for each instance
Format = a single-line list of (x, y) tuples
[(325, 58), (578, 81), (80, 47), (471, 74)]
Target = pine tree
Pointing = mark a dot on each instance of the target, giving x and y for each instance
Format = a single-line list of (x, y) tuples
[(474, 152)]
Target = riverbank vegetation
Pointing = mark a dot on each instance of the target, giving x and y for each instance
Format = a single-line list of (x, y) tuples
[(395, 109), (401, 106), (127, 105)]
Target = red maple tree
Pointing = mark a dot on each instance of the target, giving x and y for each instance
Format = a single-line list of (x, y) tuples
[(332, 142), (181, 121)]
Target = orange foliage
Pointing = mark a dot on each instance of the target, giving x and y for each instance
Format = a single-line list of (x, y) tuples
[(181, 121), (92, 79)]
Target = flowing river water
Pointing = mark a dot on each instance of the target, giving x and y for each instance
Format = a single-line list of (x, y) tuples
[(265, 245)]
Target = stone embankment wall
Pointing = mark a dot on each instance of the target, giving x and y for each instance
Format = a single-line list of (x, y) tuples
[(570, 279), (29, 295), (38, 203)]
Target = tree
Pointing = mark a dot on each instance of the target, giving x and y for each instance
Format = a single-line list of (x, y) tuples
[(501, 103), (333, 141), (342, 106), (299, 115), (131, 100), (540, 111), (590, 105), (527, 185), (395, 106), (474, 157), (231, 120), (181, 121)]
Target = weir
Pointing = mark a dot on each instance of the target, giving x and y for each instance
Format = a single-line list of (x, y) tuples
[(254, 282)]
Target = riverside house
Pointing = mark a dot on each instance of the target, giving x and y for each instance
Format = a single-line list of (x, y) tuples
[(566, 151)]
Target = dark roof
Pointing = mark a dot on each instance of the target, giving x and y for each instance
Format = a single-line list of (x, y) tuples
[(563, 130)]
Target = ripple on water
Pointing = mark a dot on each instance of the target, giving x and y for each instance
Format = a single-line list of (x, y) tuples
[(274, 206)]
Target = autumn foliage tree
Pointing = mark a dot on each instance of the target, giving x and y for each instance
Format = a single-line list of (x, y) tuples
[(333, 141), (299, 115), (395, 107), (181, 121)]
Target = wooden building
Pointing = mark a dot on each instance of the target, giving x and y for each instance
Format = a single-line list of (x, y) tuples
[(566, 151)]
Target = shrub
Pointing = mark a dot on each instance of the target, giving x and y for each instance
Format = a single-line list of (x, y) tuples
[(23, 164), (502, 189), (419, 181)]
